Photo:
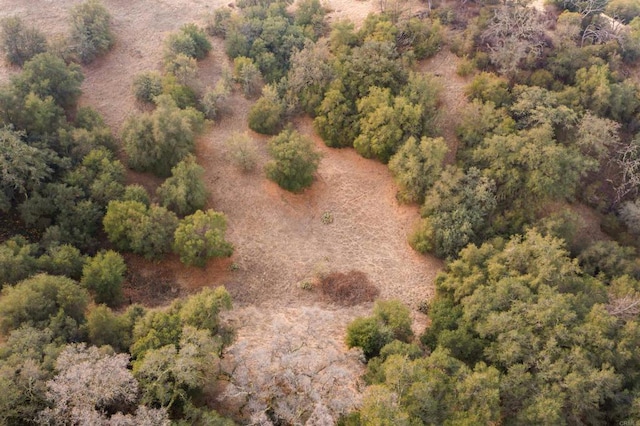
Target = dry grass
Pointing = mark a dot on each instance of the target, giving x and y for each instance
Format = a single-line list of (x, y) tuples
[(279, 237)]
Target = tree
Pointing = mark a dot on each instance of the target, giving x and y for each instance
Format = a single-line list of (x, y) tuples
[(385, 123), (336, 118), (147, 86), (132, 226), (103, 274), (88, 384), (456, 211), (62, 259), (90, 33), (20, 43), (309, 76), (294, 161), (416, 167), (390, 321), (200, 237), (104, 327), (184, 192), (247, 74), (22, 168), (168, 374), (17, 260), (100, 175), (488, 87), (156, 142), (202, 310), (265, 116), (515, 33), (190, 41), (43, 301), (47, 75)]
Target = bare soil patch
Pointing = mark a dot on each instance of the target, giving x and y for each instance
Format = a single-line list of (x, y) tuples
[(349, 288)]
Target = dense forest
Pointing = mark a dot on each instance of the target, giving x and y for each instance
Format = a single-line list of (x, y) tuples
[(535, 318)]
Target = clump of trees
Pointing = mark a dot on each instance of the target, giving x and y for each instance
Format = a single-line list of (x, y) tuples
[(157, 141)]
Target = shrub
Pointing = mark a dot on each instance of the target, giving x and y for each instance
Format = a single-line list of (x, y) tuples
[(62, 260), (200, 237), (90, 32), (20, 43), (182, 95), (489, 87), (136, 192), (294, 161), (265, 116), (247, 74), (183, 68), (147, 86), (218, 22), (243, 152), (190, 41), (213, 99), (104, 274)]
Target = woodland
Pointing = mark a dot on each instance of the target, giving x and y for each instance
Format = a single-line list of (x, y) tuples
[(526, 186)]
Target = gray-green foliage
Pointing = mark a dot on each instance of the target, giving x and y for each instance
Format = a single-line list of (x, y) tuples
[(455, 212), (295, 160), (20, 43), (147, 86), (157, 141), (184, 192), (190, 41), (22, 168), (265, 116), (416, 167), (90, 30), (200, 237)]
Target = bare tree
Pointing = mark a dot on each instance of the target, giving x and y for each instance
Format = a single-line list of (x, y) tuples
[(514, 33)]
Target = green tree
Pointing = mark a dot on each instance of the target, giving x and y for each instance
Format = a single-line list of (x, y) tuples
[(489, 87), (247, 74), (132, 226), (385, 123), (456, 211), (17, 260), (43, 301), (190, 41), (22, 168), (20, 43), (391, 320), (90, 31), (336, 118), (62, 259), (416, 167), (157, 141), (265, 116), (103, 275), (202, 310), (147, 86), (47, 75), (184, 192), (294, 160), (200, 237)]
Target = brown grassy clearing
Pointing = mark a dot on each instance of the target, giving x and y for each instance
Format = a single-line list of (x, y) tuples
[(279, 237)]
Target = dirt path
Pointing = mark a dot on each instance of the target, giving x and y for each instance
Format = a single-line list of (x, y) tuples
[(445, 64)]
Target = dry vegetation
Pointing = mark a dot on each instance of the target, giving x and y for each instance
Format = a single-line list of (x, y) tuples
[(280, 239)]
